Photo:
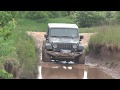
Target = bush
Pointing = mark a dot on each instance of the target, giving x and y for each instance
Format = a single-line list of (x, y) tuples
[(5, 17)]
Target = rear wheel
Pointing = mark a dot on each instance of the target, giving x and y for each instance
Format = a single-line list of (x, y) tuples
[(45, 56), (80, 59)]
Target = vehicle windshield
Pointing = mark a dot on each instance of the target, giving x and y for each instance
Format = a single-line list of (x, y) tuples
[(64, 32)]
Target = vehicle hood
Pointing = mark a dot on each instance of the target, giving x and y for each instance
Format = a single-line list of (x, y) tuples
[(63, 40)]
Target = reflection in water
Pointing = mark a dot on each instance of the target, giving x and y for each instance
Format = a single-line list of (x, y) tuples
[(39, 70), (70, 72), (69, 67), (85, 74), (55, 67)]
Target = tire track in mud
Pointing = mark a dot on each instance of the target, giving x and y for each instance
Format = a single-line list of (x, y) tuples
[(75, 71)]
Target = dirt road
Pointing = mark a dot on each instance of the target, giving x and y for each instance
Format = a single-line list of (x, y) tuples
[(61, 70)]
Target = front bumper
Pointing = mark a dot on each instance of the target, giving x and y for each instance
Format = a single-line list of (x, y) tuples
[(61, 55)]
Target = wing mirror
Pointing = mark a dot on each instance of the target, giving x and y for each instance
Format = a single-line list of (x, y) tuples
[(81, 37), (45, 35)]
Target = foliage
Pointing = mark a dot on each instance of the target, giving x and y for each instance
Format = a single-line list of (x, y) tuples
[(5, 75), (6, 31), (88, 18), (5, 17), (94, 18), (6, 46)]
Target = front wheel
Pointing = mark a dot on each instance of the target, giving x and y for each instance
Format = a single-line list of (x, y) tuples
[(80, 59), (45, 56)]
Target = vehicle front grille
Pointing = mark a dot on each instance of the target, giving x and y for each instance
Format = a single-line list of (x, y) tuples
[(65, 46)]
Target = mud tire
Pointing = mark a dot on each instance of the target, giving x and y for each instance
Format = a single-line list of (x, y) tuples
[(80, 59), (45, 56)]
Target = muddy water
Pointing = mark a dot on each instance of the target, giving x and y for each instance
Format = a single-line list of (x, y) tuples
[(70, 71)]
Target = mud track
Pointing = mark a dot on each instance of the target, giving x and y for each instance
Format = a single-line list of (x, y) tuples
[(93, 69)]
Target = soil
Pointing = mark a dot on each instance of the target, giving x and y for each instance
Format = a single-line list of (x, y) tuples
[(110, 67)]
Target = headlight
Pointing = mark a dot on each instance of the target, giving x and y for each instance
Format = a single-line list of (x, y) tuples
[(75, 46), (48, 46), (81, 48), (54, 45)]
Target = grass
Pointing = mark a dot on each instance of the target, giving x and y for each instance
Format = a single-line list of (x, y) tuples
[(89, 30), (32, 25), (107, 35)]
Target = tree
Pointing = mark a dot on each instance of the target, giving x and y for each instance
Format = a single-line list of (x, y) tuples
[(89, 18)]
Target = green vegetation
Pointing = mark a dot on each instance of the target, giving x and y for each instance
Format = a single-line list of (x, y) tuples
[(5, 75), (17, 48), (96, 18), (25, 48), (5, 17)]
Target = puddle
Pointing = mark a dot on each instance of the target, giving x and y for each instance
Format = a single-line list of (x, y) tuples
[(70, 71)]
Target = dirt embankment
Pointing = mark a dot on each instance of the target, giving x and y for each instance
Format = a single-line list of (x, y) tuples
[(13, 67), (104, 51), (107, 57)]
